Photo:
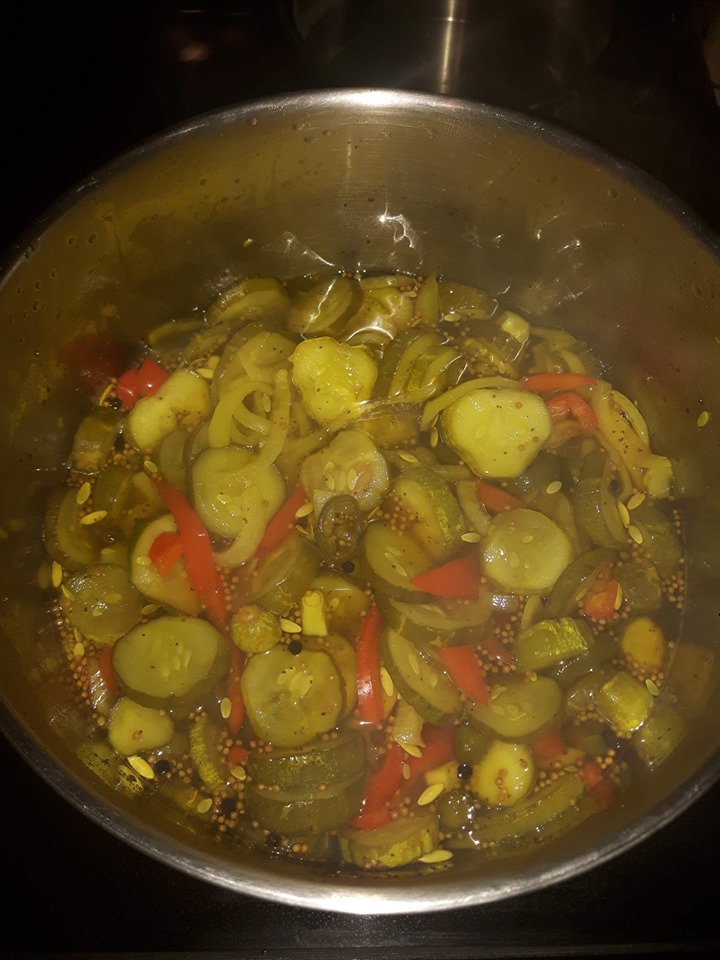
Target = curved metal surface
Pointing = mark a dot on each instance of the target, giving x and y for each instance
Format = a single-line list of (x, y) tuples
[(376, 130)]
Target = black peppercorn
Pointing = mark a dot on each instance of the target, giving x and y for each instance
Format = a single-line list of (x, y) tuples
[(348, 567), (295, 647), (464, 771), (273, 840)]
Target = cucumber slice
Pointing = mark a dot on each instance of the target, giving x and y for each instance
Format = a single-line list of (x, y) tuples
[(575, 580), (393, 845), (173, 591), (504, 775), (258, 298), (226, 500), (333, 378), (345, 603), (255, 630), (133, 728), (447, 621), (342, 653), (325, 307), (420, 678), (660, 538), (169, 457), (292, 699), (205, 738), (439, 521), (279, 581), (183, 400), (350, 464), (624, 702), (519, 709), (101, 602), (549, 642), (329, 761), (170, 662), (525, 552), (296, 813), (393, 560), (595, 506), (497, 433), (68, 541), (94, 439)]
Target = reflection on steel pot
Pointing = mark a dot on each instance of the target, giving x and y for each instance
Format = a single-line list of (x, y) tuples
[(369, 180)]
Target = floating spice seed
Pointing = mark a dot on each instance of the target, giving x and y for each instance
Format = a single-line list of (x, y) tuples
[(635, 500), (413, 661), (624, 513), (149, 607), (79, 650), (434, 437), (386, 681), (295, 648), (150, 467), (206, 373), (430, 794), (436, 856), (83, 494), (406, 772), (225, 707), (95, 517), (289, 626), (652, 687), (635, 533), (407, 457), (554, 487), (304, 511), (464, 771), (352, 478), (703, 419), (238, 772), (471, 537), (204, 805), (143, 561), (141, 767), (56, 574), (618, 598)]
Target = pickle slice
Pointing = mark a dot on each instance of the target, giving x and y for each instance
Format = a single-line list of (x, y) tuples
[(520, 709), (328, 761), (173, 591), (393, 560), (171, 661), (299, 812), (438, 520), (68, 541), (291, 699), (393, 845), (280, 580), (420, 678)]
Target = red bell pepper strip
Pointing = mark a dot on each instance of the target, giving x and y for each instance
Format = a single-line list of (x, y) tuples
[(550, 746), (597, 785), (204, 576), (382, 786), (165, 551), (106, 670), (458, 579), (369, 686), (495, 499), (599, 601), (234, 692), (465, 672), (142, 381), (564, 405), (237, 755), (550, 382), (279, 527), (439, 749)]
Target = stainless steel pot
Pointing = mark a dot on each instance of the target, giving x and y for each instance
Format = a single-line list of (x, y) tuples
[(376, 180)]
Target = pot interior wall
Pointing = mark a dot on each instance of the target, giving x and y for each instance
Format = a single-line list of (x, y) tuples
[(376, 181)]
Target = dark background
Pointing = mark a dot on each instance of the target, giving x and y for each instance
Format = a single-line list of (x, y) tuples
[(82, 83)]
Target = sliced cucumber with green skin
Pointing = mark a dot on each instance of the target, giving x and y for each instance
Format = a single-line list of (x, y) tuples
[(173, 591), (279, 581), (445, 621), (325, 307), (171, 662), (220, 488), (205, 738), (101, 602), (439, 523), (68, 541), (660, 537), (549, 642), (350, 465), (133, 728), (392, 560), (342, 653), (332, 760), (169, 457), (497, 433), (397, 843), (520, 710), (291, 699), (256, 298), (596, 508), (575, 580), (293, 813), (183, 400), (94, 439), (504, 775), (525, 552), (640, 585), (420, 678)]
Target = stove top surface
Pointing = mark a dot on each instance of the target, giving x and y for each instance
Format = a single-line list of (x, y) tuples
[(83, 88)]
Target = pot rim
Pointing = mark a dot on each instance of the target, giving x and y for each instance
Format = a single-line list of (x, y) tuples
[(436, 894)]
